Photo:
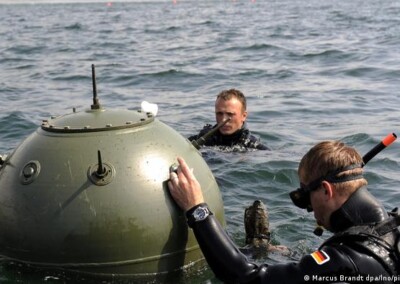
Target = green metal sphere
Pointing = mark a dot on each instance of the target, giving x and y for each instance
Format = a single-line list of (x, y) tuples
[(88, 192)]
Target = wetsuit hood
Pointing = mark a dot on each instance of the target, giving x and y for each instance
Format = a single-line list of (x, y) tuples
[(360, 209)]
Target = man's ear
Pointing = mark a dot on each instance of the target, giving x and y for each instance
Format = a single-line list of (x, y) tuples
[(328, 189), (244, 115)]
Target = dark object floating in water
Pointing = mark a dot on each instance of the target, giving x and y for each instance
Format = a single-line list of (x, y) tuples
[(256, 221), (258, 235)]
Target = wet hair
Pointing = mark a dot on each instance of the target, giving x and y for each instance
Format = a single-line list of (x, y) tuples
[(233, 93), (328, 156)]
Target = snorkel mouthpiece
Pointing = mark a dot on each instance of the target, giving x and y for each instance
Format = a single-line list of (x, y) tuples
[(319, 230)]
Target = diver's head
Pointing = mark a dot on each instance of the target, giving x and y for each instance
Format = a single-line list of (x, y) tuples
[(329, 173), (231, 104)]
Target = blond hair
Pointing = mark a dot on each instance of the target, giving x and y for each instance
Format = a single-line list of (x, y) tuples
[(329, 156), (226, 95)]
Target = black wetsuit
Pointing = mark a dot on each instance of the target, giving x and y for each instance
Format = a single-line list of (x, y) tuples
[(358, 255), (242, 138)]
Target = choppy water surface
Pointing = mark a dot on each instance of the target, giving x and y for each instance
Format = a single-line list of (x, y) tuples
[(312, 70)]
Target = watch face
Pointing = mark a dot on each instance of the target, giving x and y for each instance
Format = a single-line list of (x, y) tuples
[(200, 213)]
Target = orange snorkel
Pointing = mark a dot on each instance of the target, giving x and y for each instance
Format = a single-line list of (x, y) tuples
[(389, 139)]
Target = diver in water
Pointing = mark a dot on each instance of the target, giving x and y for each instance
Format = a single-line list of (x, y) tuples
[(363, 248), (230, 104)]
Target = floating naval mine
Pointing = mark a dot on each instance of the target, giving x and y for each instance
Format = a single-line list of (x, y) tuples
[(87, 192)]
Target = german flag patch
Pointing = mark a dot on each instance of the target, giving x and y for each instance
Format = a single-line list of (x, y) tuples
[(320, 257)]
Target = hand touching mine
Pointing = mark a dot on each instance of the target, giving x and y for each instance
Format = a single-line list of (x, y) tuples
[(184, 187)]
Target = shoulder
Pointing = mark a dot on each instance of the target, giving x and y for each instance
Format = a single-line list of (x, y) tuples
[(258, 145), (322, 266), (367, 249), (252, 141), (327, 260)]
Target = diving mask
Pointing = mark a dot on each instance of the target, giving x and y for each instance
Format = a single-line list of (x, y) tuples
[(301, 196)]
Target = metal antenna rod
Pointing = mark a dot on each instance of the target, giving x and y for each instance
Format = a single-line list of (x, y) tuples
[(100, 169), (95, 104)]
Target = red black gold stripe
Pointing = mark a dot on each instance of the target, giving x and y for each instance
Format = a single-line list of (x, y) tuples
[(320, 257)]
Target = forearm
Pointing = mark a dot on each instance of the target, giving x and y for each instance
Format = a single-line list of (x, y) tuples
[(222, 255)]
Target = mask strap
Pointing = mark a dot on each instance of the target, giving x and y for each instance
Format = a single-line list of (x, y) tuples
[(332, 176)]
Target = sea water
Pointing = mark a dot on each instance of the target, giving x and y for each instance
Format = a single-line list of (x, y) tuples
[(311, 71)]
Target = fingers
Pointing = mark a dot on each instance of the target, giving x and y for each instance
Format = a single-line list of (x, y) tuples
[(173, 176), (184, 187), (173, 185), (185, 169), (170, 186), (173, 180)]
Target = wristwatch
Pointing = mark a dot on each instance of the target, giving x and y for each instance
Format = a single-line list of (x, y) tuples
[(197, 214)]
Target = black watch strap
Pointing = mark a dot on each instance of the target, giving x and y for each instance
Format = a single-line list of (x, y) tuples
[(197, 213)]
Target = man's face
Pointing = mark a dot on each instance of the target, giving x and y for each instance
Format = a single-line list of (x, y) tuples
[(324, 203), (230, 109), (317, 199), (317, 204)]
